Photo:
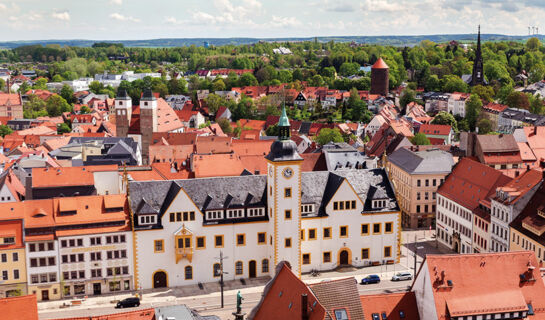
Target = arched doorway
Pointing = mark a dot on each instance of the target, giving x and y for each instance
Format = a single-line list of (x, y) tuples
[(252, 267), (345, 257), (160, 279)]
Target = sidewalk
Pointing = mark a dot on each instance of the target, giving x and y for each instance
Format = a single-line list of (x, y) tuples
[(186, 294)]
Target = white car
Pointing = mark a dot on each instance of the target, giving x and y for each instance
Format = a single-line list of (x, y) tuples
[(402, 276)]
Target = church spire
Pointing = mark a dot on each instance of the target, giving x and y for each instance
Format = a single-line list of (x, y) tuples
[(284, 125), (477, 78)]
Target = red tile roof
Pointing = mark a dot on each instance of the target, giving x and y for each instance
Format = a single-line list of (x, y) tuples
[(495, 107), (519, 186), (435, 129), (471, 181), (392, 304), (213, 144), (64, 177), (13, 99), (380, 64), (484, 284), (144, 314), (20, 308), (12, 228), (216, 165)]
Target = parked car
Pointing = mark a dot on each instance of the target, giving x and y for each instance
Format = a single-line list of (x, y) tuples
[(402, 276), (370, 279), (128, 302)]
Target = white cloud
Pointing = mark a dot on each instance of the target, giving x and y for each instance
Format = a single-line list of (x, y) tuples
[(120, 17), (3, 7), (383, 6), (116, 2), (282, 22), (61, 15)]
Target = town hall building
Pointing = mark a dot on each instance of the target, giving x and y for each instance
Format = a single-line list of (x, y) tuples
[(314, 220)]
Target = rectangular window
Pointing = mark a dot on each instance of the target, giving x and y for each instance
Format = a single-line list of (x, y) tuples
[(312, 234), (261, 237), (302, 234), (218, 241), (15, 274), (327, 233), (4, 257), (201, 242), (241, 239), (376, 228), (287, 242), (387, 252), (364, 229), (306, 258), (287, 192), (335, 205), (365, 253), (15, 257), (388, 227), (343, 231), (327, 257), (186, 216), (287, 214), (159, 246), (178, 216)]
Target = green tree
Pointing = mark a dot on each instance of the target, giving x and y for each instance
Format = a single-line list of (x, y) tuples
[(214, 102), (56, 105), (445, 118), (463, 125), (533, 43), (484, 125), (452, 83), (218, 85), (57, 78), (96, 87), (40, 84), (407, 97), (63, 128), (485, 93), (327, 135), (348, 69), (84, 109), (68, 94), (517, 100), (2, 84), (247, 79), (420, 139), (272, 131), (225, 125), (473, 110), (5, 130)]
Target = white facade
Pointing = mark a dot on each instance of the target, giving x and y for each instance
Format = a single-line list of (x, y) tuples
[(96, 263), (457, 105), (454, 226), (425, 300), (42, 268)]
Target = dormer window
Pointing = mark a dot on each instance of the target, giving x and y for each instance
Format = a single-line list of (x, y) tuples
[(214, 215), (307, 208), (147, 220), (235, 213), (256, 212), (378, 204)]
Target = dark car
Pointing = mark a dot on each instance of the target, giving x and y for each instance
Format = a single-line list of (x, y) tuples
[(370, 279), (128, 302)]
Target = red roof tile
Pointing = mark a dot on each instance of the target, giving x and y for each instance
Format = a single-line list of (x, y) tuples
[(391, 304), (380, 64), (435, 129), (20, 308)]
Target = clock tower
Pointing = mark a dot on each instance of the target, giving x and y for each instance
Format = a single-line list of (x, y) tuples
[(284, 197)]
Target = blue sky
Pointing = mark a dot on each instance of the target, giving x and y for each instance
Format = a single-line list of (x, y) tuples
[(146, 19)]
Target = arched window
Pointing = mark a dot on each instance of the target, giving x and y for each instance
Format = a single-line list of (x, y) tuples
[(265, 266), (188, 273), (238, 268)]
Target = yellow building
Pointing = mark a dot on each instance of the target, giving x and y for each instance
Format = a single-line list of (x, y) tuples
[(416, 175), (12, 259)]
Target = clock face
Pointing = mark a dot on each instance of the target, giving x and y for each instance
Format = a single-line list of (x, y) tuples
[(288, 172)]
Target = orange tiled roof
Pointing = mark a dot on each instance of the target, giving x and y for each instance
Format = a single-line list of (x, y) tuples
[(64, 176), (12, 228), (21, 308), (215, 165), (251, 147), (213, 144), (144, 314), (13, 99), (520, 185), (436, 129), (485, 283), (380, 64), (391, 304)]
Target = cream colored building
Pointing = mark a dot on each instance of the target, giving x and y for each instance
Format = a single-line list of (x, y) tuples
[(416, 175)]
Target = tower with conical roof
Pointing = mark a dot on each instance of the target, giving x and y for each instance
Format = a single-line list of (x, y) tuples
[(477, 77), (148, 121), (380, 78), (123, 113), (284, 197)]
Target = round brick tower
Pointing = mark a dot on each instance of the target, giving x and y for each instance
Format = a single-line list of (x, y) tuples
[(380, 78)]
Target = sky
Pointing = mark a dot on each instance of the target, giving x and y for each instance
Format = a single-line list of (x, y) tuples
[(150, 19)]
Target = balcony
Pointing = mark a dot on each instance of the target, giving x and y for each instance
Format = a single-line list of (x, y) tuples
[(184, 253)]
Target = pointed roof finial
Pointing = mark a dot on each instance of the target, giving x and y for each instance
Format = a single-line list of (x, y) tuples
[(284, 121)]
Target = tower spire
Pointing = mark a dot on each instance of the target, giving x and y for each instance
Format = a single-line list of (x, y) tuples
[(284, 125), (477, 77)]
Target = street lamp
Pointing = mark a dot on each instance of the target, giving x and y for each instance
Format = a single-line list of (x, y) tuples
[(221, 273)]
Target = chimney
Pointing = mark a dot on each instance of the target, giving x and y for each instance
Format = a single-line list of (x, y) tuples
[(304, 307), (9, 85), (535, 130)]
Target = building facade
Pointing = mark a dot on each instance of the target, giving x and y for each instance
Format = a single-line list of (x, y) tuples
[(12, 259)]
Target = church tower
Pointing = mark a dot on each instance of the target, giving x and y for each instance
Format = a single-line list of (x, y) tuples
[(123, 113), (284, 197), (477, 78), (148, 121)]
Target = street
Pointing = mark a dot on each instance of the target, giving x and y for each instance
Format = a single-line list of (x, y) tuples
[(209, 303)]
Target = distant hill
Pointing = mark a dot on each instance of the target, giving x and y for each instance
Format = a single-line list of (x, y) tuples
[(179, 42)]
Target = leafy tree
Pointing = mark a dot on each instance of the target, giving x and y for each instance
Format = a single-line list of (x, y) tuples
[(517, 100), (96, 87), (420, 139), (328, 72), (504, 92), (484, 125), (68, 94), (536, 104), (5, 130), (247, 79), (537, 73), (316, 81), (407, 97), (63, 128), (272, 130), (57, 78), (473, 110), (225, 125), (214, 102), (56, 105), (433, 83), (218, 85), (34, 108), (84, 110), (24, 87), (327, 135), (348, 69), (2, 84), (445, 118), (452, 83), (533, 43), (463, 125), (485, 93), (40, 84)]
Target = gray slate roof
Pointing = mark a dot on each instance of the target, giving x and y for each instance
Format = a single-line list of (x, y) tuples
[(429, 161)]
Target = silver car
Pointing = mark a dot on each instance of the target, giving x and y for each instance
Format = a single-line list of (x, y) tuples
[(402, 276)]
